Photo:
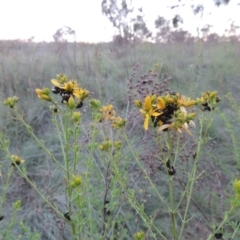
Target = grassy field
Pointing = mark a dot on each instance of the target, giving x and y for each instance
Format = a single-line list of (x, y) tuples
[(106, 70)]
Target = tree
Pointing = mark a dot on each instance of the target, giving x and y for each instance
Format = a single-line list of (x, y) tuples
[(129, 23), (168, 29), (221, 2), (62, 33)]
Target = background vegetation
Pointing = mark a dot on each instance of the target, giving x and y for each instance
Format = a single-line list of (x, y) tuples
[(105, 69)]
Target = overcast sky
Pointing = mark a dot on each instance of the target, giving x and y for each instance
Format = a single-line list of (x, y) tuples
[(22, 19)]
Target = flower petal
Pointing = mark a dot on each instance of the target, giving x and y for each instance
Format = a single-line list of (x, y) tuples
[(147, 103), (146, 122), (189, 103), (164, 127), (155, 114), (183, 109), (161, 103), (38, 91), (55, 82)]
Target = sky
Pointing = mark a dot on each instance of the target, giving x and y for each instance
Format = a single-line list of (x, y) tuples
[(23, 19)]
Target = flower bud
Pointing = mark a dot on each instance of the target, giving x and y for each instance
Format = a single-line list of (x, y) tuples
[(95, 104), (17, 204), (11, 101), (43, 94), (76, 117), (236, 186), (138, 103), (71, 103), (77, 179)]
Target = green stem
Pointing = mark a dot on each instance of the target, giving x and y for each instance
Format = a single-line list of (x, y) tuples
[(66, 160), (192, 177), (11, 225), (6, 186), (23, 174), (76, 147), (146, 174), (235, 231), (226, 217), (173, 213), (189, 195), (40, 143), (171, 192)]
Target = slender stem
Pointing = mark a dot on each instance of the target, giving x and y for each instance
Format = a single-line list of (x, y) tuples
[(173, 213), (66, 160), (190, 191), (171, 192), (76, 147), (134, 203), (6, 186), (23, 174), (107, 182), (235, 231), (92, 140), (40, 143), (226, 217), (192, 177), (146, 174), (189, 195)]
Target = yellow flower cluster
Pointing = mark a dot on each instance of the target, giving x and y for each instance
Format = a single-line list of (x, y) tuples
[(208, 100), (109, 145), (167, 112), (68, 90), (108, 114)]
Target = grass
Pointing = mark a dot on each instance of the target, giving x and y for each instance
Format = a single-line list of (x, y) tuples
[(105, 70)]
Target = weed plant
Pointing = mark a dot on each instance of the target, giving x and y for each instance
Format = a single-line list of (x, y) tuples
[(74, 169)]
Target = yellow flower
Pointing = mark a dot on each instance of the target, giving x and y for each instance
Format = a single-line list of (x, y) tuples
[(62, 78), (57, 83), (108, 112), (118, 122), (208, 100), (148, 111), (169, 98), (68, 86), (189, 103), (81, 93), (181, 121), (106, 145), (71, 87), (161, 103), (44, 94)]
